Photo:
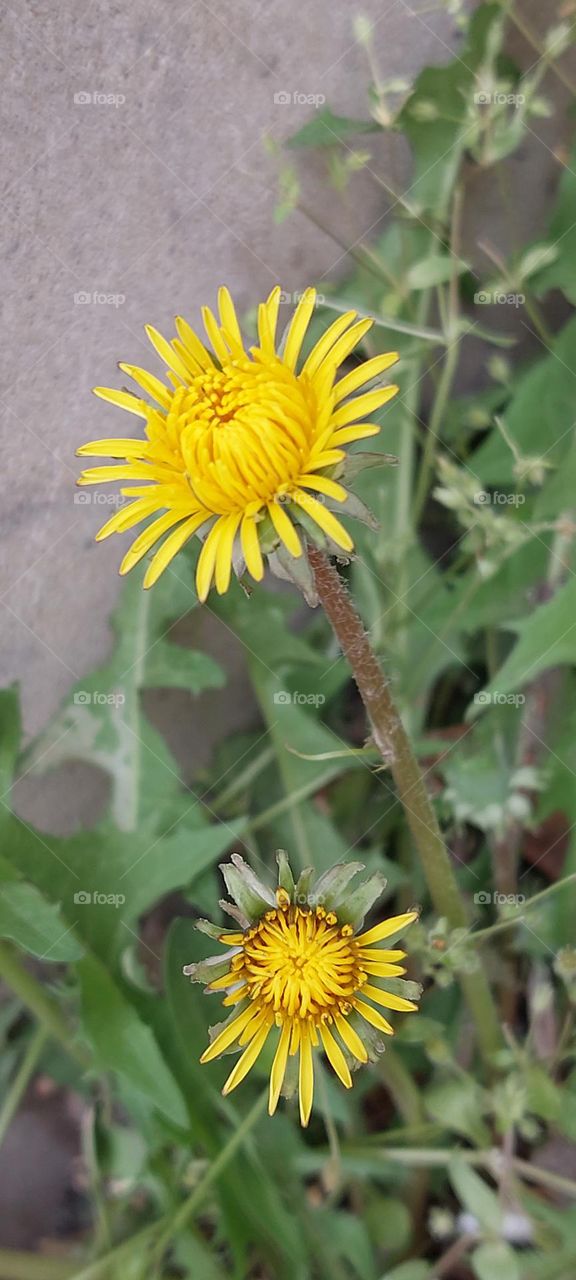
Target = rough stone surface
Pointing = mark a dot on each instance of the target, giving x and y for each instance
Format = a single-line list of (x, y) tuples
[(158, 200)]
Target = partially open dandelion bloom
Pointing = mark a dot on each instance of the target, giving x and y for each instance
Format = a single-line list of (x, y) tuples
[(242, 448), (300, 970)]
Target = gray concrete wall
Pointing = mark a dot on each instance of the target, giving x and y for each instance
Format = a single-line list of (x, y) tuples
[(158, 199)]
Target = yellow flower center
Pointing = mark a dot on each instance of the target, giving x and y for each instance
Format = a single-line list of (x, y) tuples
[(245, 432), (301, 963)]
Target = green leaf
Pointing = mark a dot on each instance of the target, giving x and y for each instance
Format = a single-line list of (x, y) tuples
[(123, 1043), (103, 880), (546, 639), (540, 417), (409, 1271), (495, 1259), (475, 1195), (458, 1104), (101, 721), (328, 130), (436, 269), (35, 924)]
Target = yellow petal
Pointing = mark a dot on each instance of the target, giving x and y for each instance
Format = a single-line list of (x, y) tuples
[(228, 1035), (381, 970), (323, 484), (215, 336), (246, 1062), (132, 471), (377, 953), (267, 321), (207, 560), (224, 552), (128, 516), (229, 319), (193, 344), (346, 343), (306, 1076), (361, 432), (284, 528), (321, 348), (351, 1038), (279, 1068), (123, 399), (118, 448), (298, 326), (373, 1017), (325, 519), (353, 410), (167, 353), (394, 924), (173, 544), (251, 548), (388, 1000), (335, 1056), (148, 537), (373, 368), (151, 385)]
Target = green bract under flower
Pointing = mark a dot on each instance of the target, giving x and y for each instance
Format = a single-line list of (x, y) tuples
[(299, 969)]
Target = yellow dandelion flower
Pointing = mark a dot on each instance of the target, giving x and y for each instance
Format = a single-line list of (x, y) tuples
[(243, 448), (300, 970)]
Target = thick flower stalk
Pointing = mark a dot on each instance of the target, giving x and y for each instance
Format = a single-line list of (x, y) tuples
[(302, 971), (246, 449)]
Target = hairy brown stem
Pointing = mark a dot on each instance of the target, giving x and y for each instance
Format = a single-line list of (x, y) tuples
[(395, 748)]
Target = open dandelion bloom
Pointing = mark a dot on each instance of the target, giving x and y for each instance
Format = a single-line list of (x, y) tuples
[(242, 448), (299, 971)]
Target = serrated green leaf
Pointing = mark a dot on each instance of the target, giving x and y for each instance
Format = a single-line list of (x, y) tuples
[(35, 924)]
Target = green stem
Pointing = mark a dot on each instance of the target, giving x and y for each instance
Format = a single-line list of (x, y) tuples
[(21, 1079), (36, 999), (449, 366), (395, 748), (439, 1157), (172, 1224)]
